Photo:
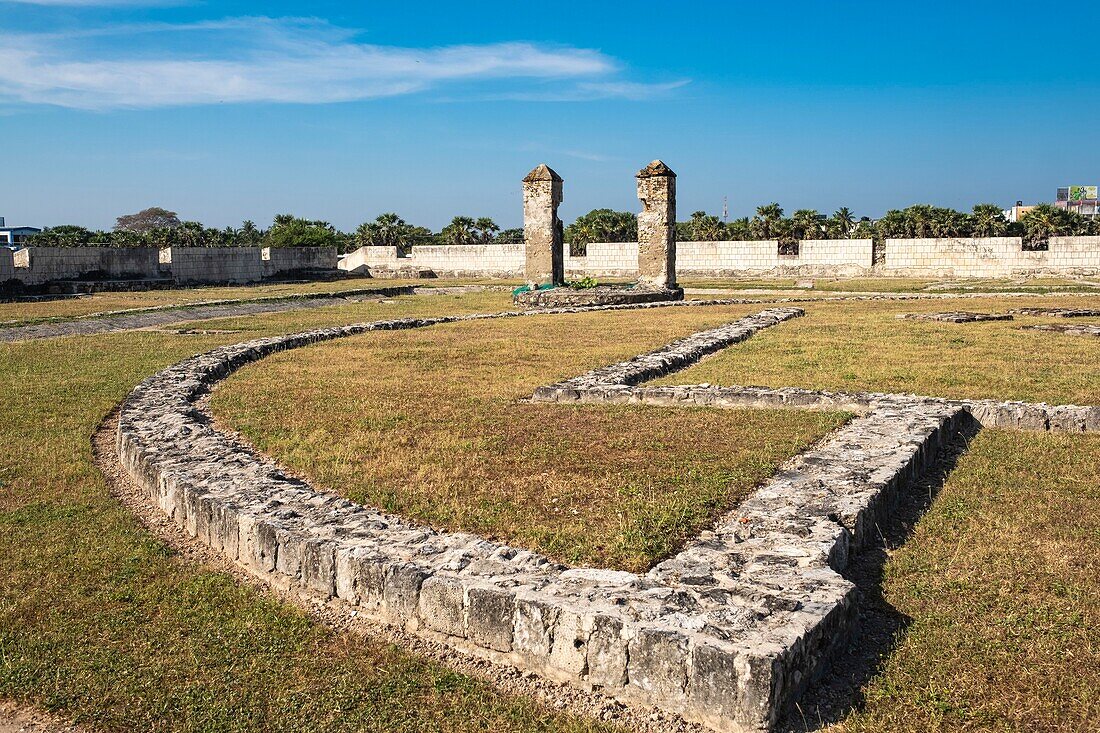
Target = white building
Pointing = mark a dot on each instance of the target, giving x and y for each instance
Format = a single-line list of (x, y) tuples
[(15, 235)]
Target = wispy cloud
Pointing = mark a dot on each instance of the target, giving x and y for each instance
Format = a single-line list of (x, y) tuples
[(293, 60), (96, 3)]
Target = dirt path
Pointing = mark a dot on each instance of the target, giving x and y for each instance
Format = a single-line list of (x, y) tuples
[(166, 316)]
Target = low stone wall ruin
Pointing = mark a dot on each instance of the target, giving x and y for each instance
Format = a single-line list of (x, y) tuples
[(727, 632)]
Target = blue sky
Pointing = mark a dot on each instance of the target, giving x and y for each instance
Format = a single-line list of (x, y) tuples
[(240, 110)]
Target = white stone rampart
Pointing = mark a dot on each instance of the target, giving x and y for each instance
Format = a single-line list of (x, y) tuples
[(990, 257), (604, 259), (366, 258), (841, 256), (835, 253), (197, 265), (37, 265), (727, 257), (278, 260), (506, 260), (998, 257)]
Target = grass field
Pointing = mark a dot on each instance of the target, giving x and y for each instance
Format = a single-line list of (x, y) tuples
[(426, 424), (862, 346), (104, 624), (1002, 583)]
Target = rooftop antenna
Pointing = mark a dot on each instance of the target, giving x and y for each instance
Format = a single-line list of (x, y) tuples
[(725, 209)]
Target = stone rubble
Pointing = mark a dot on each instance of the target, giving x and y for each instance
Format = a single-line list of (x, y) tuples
[(1059, 312), (1081, 329), (955, 317), (727, 632)]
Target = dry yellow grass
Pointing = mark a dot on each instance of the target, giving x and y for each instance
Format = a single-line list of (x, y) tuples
[(1002, 583), (427, 424), (862, 346), (29, 312)]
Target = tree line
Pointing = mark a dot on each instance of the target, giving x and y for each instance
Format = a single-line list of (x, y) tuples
[(158, 227), (915, 222)]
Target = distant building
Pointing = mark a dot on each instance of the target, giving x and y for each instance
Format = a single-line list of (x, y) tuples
[(1017, 212), (1080, 199), (15, 235)]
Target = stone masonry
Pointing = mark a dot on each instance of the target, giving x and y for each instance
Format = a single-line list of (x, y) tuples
[(727, 632), (542, 230), (657, 226)]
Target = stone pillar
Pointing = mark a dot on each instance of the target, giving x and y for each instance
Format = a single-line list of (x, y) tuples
[(542, 230), (657, 226)]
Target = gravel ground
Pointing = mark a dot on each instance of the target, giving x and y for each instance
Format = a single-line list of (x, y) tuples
[(167, 315)]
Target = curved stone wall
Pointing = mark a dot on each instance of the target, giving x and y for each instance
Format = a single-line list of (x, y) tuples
[(727, 632)]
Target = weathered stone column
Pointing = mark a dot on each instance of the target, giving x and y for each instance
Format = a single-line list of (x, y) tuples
[(542, 231), (657, 226)]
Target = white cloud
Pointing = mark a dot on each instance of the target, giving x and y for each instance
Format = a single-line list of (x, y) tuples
[(240, 60)]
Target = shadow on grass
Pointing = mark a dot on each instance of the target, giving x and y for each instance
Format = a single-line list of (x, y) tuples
[(840, 690)]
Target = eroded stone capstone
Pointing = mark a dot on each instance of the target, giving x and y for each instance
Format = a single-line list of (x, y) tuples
[(542, 230)]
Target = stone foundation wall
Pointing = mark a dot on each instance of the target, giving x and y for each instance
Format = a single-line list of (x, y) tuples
[(604, 259), (716, 257), (836, 252)]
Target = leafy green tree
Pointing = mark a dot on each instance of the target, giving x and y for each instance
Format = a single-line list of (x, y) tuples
[(510, 236), (146, 220), (63, 235), (739, 229), (705, 228), (249, 235)]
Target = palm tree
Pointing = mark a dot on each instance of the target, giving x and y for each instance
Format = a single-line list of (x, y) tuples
[(739, 229), (988, 221), (842, 223), (806, 224), (704, 228), (459, 231), (766, 221), (486, 229), (249, 233)]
